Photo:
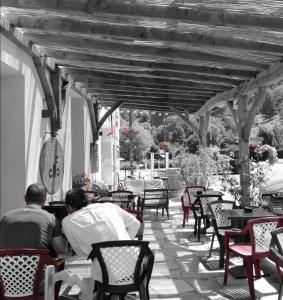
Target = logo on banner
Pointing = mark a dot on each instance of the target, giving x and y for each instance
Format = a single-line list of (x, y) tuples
[(51, 165)]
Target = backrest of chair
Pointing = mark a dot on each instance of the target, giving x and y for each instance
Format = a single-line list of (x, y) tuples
[(21, 271), (122, 262), (190, 193), (204, 201), (153, 184), (121, 194), (155, 195), (136, 186), (216, 208), (277, 238), (260, 232)]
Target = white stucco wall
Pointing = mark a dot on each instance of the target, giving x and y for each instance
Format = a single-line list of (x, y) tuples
[(23, 128)]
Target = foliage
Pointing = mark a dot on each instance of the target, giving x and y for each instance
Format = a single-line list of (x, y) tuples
[(142, 141), (164, 146), (199, 169), (271, 153), (268, 107), (258, 174), (80, 180)]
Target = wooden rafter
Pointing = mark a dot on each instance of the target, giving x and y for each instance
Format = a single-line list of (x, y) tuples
[(231, 13)]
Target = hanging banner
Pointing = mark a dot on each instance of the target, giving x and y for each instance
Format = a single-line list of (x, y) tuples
[(51, 165)]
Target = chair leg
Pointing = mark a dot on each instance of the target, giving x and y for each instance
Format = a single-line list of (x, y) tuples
[(211, 245), (280, 294), (226, 268), (143, 291), (248, 263), (199, 226), (184, 218), (257, 268), (188, 213), (221, 255)]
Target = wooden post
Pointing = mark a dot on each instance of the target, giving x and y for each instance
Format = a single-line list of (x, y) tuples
[(245, 121), (244, 135), (131, 142)]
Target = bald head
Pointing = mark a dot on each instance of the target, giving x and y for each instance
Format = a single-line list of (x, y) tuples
[(35, 194)]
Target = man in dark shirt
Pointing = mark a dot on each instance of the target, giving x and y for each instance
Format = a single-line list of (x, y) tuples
[(31, 226)]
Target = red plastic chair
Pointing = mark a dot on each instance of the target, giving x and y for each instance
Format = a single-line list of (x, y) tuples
[(138, 216), (188, 199), (22, 272), (259, 231)]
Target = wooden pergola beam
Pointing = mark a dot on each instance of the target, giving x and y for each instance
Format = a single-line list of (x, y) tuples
[(148, 61), (146, 83), (273, 75), (195, 53), (80, 75), (197, 34), (236, 13), (186, 119)]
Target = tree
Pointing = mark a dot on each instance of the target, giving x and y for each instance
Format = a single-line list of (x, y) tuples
[(142, 141)]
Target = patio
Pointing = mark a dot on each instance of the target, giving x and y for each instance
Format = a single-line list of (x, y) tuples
[(178, 272)]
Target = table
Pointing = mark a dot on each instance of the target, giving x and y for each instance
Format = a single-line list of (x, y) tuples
[(241, 215), (130, 200)]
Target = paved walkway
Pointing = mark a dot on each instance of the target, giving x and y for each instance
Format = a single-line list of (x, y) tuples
[(178, 272)]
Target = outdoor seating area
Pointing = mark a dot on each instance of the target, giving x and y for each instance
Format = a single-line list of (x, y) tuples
[(141, 150), (184, 268)]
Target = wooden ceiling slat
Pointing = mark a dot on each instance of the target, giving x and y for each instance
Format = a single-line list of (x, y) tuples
[(190, 54), (84, 76), (182, 75), (213, 54), (247, 13), (197, 34), (146, 97), (132, 90)]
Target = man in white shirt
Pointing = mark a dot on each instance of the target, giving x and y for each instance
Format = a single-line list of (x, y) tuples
[(94, 223)]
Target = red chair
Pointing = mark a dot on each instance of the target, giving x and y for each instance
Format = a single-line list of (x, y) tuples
[(259, 232), (188, 199), (22, 272), (138, 216)]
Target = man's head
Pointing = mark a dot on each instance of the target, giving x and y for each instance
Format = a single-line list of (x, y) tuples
[(75, 199), (35, 194)]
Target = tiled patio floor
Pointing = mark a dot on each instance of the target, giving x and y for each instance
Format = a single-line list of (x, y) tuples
[(179, 274)]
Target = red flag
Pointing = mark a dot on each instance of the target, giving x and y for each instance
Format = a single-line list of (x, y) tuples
[(113, 131)]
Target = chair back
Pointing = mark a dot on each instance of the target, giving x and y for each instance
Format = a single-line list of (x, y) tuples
[(121, 194), (216, 208), (124, 264), (204, 202), (138, 216), (135, 185), (21, 272), (277, 240), (153, 184), (260, 232), (190, 193)]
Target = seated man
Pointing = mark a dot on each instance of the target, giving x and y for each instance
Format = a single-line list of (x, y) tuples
[(94, 223), (33, 227)]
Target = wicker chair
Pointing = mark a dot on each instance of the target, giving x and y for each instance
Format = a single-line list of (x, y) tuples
[(259, 231), (119, 194), (276, 247), (200, 211), (187, 200), (155, 198), (220, 224), (126, 267), (22, 272)]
